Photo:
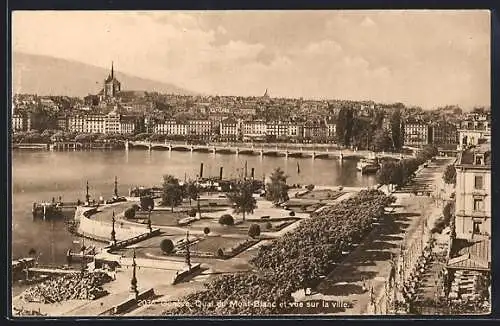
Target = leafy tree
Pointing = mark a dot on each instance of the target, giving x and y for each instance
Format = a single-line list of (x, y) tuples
[(167, 246), (226, 219), (242, 198), (277, 189), (147, 203), (381, 141), (344, 127), (450, 175), (385, 173), (172, 193), (448, 210), (397, 129), (254, 230), (192, 191), (428, 152)]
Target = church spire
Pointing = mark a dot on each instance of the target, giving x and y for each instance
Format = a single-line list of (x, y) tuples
[(112, 71)]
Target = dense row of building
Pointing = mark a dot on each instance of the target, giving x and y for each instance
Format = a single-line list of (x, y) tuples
[(110, 112)]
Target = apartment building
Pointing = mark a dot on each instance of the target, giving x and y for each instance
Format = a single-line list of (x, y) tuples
[(277, 128), (112, 123), (230, 129), (95, 123), (199, 127), (473, 129), (444, 133), (76, 123), (21, 122), (315, 131), (127, 124), (171, 127), (473, 192), (417, 134), (254, 128)]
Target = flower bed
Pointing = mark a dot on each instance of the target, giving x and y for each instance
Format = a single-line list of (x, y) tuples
[(296, 261)]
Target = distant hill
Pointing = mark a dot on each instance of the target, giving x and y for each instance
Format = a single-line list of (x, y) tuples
[(44, 75)]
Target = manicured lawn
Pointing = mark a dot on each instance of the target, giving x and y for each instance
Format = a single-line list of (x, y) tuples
[(212, 244), (241, 228), (165, 218)]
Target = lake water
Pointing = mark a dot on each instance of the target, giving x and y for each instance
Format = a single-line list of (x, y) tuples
[(42, 175)]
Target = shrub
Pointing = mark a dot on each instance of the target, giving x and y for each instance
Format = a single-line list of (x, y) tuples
[(129, 213), (136, 207), (167, 246), (220, 252), (269, 226), (192, 212), (310, 187), (254, 230), (292, 213), (206, 230), (226, 219)]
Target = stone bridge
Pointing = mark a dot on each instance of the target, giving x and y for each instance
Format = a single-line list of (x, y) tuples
[(305, 151)]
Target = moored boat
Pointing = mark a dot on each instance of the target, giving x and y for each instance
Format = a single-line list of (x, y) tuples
[(368, 166)]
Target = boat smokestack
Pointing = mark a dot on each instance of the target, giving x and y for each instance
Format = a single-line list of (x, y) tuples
[(252, 173), (201, 170), (220, 172)]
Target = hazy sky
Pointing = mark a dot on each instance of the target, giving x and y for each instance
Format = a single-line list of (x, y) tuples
[(425, 58)]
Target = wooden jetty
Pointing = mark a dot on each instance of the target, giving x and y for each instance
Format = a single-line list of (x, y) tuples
[(53, 209)]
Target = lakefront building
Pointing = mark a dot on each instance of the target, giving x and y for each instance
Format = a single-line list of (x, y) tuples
[(21, 122)]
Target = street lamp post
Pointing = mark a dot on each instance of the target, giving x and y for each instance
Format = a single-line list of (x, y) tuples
[(87, 196), (82, 267), (116, 187), (150, 228), (113, 232), (133, 282), (188, 252)]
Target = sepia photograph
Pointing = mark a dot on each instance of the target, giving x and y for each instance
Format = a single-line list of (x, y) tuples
[(250, 163)]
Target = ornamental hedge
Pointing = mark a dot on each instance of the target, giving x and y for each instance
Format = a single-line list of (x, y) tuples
[(295, 261)]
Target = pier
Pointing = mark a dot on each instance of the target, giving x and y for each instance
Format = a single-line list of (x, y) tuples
[(53, 209)]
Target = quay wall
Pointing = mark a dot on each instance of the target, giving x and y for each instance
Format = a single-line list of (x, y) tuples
[(102, 231)]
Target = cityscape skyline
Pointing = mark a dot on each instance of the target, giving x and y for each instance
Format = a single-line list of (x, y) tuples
[(290, 53)]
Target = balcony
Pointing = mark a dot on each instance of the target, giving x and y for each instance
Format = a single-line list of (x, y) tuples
[(479, 213)]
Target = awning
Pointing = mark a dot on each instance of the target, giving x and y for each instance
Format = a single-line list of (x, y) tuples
[(474, 257)]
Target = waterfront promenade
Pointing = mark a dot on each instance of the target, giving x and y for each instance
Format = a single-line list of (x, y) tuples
[(369, 265)]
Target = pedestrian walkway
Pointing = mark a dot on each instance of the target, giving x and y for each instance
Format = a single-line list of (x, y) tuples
[(369, 265)]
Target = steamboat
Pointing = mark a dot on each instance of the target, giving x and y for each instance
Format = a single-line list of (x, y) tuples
[(368, 166)]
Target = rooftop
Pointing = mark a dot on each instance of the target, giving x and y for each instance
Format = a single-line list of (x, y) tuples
[(479, 155)]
